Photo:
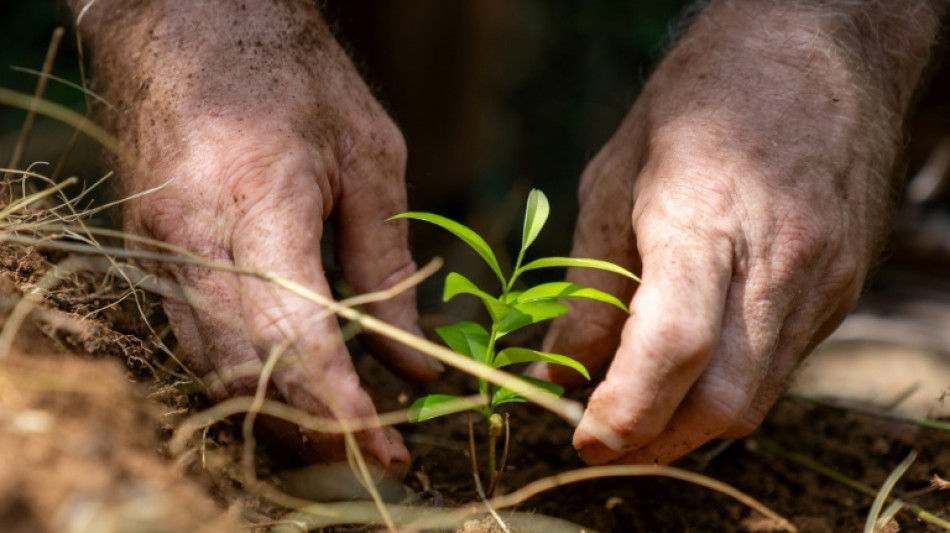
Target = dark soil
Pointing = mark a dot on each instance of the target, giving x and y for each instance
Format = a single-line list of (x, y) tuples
[(80, 441), (862, 447)]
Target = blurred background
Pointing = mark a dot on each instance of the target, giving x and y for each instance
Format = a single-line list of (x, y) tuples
[(496, 97)]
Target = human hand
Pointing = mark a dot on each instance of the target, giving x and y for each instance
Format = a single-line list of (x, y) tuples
[(263, 130), (751, 183)]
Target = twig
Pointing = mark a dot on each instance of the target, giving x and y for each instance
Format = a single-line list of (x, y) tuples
[(355, 455), (65, 82), (595, 472)]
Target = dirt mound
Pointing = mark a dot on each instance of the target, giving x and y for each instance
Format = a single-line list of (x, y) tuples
[(79, 443)]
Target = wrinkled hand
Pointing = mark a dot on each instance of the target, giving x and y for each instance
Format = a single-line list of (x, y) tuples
[(265, 131), (750, 182)]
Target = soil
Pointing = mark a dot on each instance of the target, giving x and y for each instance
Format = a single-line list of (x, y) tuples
[(86, 411), (863, 447)]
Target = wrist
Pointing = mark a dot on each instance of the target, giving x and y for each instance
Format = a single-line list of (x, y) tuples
[(179, 74), (882, 45)]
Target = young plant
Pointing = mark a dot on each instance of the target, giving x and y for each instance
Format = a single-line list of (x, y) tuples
[(510, 311)]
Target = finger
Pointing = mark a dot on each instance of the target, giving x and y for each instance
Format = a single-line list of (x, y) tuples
[(281, 234), (771, 322), (590, 331), (798, 338), (675, 323), (723, 394), (185, 327), (374, 254), (210, 332), (214, 341)]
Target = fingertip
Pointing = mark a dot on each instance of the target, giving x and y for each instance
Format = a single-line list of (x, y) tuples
[(399, 458), (596, 443)]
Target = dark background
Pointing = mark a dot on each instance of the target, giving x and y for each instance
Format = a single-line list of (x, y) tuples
[(493, 96)]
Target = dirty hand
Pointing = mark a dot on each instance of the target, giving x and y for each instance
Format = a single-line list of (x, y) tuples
[(262, 130), (752, 184)]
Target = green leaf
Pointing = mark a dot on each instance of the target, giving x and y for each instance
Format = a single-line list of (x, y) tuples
[(512, 297), (564, 289), (503, 395), (527, 313), (466, 338), (461, 231), (535, 216), (510, 356), (436, 405), (546, 262), (456, 284)]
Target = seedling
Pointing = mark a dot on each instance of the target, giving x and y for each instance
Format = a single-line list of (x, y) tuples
[(509, 312)]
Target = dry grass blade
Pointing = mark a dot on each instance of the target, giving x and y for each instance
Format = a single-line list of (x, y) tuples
[(63, 114), (308, 516), (888, 515), (799, 459), (872, 525), (275, 409), (595, 472), (25, 202), (24, 138), (65, 82)]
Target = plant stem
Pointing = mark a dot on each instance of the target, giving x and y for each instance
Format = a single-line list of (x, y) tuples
[(492, 440), (471, 446), (504, 458), (487, 389)]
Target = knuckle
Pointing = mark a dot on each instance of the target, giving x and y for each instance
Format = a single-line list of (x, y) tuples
[(811, 250), (676, 344), (720, 412), (164, 218), (381, 141), (800, 243), (244, 175), (400, 266), (265, 326), (843, 275), (719, 403)]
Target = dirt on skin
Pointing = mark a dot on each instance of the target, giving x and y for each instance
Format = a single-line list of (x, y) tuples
[(82, 445)]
